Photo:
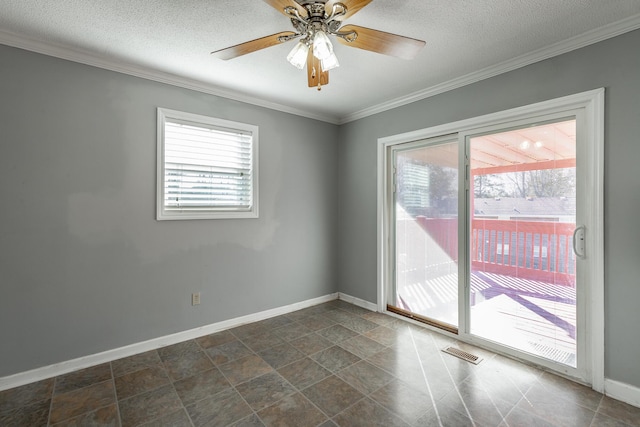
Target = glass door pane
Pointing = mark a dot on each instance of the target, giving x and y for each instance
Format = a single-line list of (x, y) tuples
[(426, 231), (523, 215)]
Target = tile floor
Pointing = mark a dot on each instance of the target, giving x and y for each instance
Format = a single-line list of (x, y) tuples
[(333, 364)]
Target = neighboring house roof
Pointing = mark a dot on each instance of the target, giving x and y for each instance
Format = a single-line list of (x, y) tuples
[(518, 206)]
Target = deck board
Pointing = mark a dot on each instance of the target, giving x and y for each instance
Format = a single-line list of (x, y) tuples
[(533, 316)]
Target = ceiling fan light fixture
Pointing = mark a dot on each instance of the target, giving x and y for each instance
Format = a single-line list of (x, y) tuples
[(298, 55), (330, 62), (322, 47)]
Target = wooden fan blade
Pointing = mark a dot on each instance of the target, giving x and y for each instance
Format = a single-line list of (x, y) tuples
[(381, 42), (352, 6), (315, 76), (251, 46), (280, 5)]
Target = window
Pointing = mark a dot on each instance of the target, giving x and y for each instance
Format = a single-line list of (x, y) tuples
[(207, 167)]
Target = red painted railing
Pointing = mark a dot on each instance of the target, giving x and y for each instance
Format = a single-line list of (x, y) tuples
[(537, 250)]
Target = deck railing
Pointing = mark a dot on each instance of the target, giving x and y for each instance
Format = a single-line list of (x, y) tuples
[(536, 250)]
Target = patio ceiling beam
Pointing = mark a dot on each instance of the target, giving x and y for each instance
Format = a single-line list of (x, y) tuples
[(524, 167)]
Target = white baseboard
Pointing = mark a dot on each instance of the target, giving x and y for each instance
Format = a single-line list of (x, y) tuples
[(357, 301), (622, 391), (61, 368)]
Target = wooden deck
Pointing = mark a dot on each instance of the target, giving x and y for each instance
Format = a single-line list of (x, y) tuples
[(532, 316)]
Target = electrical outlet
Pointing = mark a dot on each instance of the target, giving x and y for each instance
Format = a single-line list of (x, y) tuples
[(195, 298)]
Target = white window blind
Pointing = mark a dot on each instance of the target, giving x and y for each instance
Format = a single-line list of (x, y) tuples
[(208, 167)]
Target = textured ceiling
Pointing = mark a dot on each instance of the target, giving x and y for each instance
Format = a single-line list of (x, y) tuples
[(172, 40)]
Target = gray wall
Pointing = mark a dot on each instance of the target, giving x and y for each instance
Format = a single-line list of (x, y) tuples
[(613, 64), (85, 267)]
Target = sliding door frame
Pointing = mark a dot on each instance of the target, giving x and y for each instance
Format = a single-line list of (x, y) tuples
[(588, 104)]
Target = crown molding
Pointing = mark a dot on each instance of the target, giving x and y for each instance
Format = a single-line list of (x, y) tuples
[(64, 52), (585, 39), (88, 58)]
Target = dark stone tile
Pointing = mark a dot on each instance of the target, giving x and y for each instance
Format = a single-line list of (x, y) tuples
[(281, 355), (367, 413), (82, 378), (292, 331), (387, 336), (332, 395), (335, 358), (311, 343), (355, 309), (201, 386), (518, 417), (241, 370), (265, 390), (358, 324), (557, 411), (292, 411), (149, 406), (298, 315), (219, 410), (497, 369), (568, 390), (328, 423), (276, 322), (393, 360), (340, 304), (336, 333), (251, 421), (601, 420), (438, 386), (481, 406), (339, 316), (18, 397), (34, 414), (448, 417), (620, 411), (403, 400), (262, 341), (103, 417), (224, 353), (77, 402), (189, 364), (362, 346), (317, 322), (178, 351), (216, 339), (498, 386), (303, 373), (175, 419), (141, 381), (398, 324), (379, 318), (365, 377), (134, 363), (249, 329)]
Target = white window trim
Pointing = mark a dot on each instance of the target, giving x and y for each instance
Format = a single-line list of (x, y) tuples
[(592, 103), (206, 213)]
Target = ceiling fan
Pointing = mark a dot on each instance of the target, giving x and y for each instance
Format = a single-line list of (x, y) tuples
[(315, 20)]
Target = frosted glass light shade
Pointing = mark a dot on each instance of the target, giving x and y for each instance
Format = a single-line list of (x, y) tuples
[(330, 62), (298, 55), (322, 47)]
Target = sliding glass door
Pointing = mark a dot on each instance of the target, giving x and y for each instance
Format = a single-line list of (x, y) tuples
[(522, 213), (492, 232), (425, 211)]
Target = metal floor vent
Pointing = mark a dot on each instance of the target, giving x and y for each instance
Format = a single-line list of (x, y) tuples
[(463, 355)]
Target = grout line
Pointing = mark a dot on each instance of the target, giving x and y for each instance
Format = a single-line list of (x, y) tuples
[(115, 394), (455, 385), (424, 376), (53, 389)]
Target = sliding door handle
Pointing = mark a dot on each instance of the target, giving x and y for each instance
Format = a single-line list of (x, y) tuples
[(578, 241)]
